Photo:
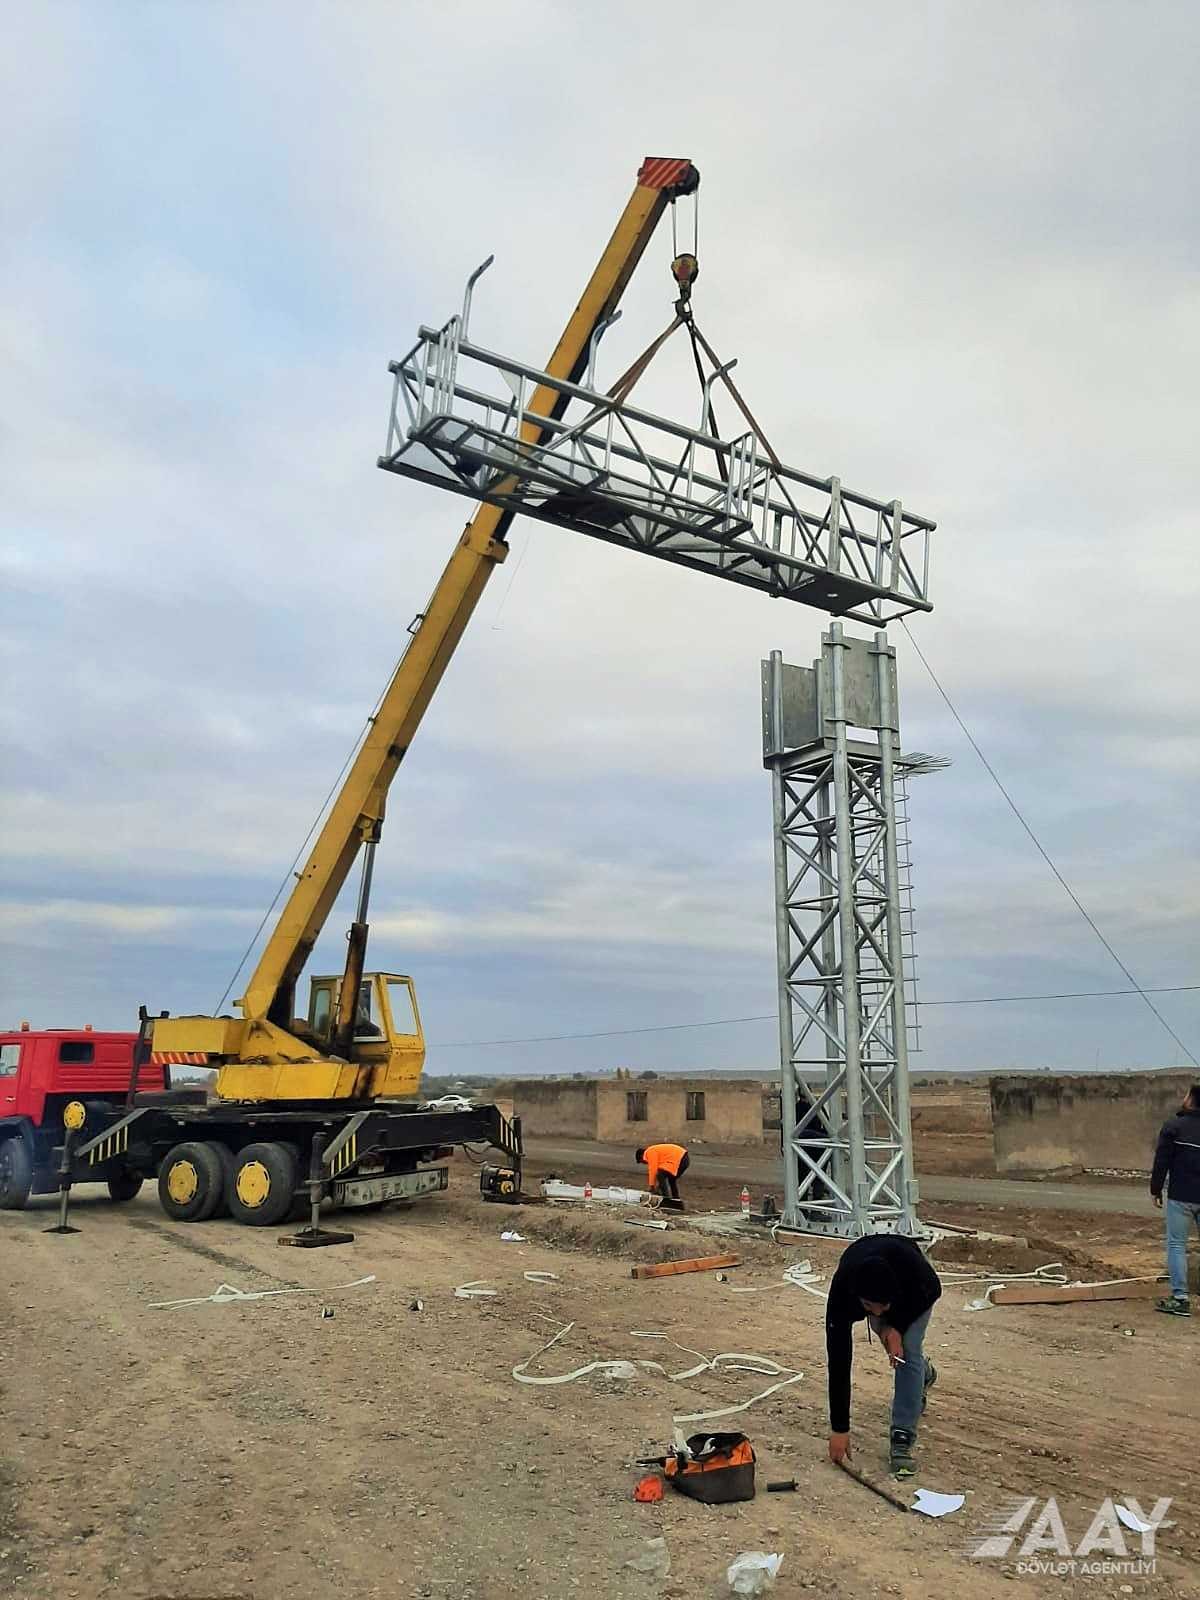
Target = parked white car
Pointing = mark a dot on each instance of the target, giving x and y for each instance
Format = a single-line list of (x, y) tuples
[(449, 1102)]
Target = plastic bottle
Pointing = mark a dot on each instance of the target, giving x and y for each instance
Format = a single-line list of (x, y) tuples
[(587, 1190), (745, 1201)]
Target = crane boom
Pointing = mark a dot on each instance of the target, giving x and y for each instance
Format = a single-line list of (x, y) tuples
[(264, 1057), (357, 812)]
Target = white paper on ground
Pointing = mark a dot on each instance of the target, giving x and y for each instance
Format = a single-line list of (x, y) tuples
[(931, 1504), (1131, 1520), (511, 1236), (753, 1572)]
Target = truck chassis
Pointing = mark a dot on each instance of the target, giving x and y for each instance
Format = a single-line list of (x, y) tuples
[(255, 1163)]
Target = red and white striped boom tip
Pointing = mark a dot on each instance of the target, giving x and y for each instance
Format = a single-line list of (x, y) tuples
[(668, 172)]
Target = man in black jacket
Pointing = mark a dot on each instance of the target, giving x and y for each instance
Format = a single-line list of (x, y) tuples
[(887, 1280), (812, 1139), (1177, 1165)]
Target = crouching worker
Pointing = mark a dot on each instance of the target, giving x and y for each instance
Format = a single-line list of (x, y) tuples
[(667, 1163), (887, 1280)]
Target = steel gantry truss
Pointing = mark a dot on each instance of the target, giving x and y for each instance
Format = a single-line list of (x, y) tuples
[(831, 743), (460, 419)]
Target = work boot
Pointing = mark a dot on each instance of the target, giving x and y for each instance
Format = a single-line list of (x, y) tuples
[(902, 1463), (930, 1380), (1176, 1306)]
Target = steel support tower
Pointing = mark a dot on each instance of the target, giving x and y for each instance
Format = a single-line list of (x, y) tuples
[(831, 741)]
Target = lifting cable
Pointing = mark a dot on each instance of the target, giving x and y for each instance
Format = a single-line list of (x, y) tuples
[(290, 874), (1040, 847)]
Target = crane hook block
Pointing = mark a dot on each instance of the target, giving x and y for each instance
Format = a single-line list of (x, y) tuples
[(685, 270), (676, 176)]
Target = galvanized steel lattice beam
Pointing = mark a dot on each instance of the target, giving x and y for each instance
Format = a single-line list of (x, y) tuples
[(601, 467)]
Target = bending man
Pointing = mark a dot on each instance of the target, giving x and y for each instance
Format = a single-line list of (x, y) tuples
[(887, 1280), (666, 1163)]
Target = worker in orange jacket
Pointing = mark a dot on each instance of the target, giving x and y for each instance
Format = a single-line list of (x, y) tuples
[(667, 1163)]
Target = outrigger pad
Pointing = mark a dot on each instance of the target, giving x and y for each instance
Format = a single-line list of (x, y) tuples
[(315, 1238)]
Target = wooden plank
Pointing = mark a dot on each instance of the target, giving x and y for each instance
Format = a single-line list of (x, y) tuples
[(1049, 1294), (667, 1269)]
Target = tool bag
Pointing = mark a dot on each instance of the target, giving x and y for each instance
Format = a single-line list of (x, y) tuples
[(718, 1469)]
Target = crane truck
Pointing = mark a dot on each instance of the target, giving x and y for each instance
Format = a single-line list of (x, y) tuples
[(330, 1100)]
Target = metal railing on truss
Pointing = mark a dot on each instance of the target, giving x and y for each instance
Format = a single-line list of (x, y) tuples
[(461, 418)]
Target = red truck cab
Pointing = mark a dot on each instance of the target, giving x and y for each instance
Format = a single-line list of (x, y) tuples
[(43, 1071)]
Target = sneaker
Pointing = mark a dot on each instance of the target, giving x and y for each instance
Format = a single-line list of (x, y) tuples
[(902, 1463), (1175, 1306), (930, 1380)]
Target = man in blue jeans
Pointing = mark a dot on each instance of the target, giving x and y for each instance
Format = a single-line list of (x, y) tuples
[(887, 1280), (1177, 1165)]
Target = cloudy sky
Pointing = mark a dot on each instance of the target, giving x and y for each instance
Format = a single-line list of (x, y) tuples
[(954, 248)]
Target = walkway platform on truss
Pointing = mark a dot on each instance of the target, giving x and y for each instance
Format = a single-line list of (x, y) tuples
[(460, 419)]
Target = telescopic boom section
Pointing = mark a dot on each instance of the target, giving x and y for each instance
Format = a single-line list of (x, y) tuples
[(357, 813)]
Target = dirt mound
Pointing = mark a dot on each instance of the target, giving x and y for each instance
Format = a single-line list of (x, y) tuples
[(1003, 1257), (567, 1227)]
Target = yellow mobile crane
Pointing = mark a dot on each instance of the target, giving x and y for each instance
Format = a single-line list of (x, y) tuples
[(335, 1084)]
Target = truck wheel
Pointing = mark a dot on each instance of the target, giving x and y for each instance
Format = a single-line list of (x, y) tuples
[(16, 1173), (124, 1186), (190, 1182), (264, 1184)]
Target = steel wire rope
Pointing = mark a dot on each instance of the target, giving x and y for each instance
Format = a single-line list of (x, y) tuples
[(291, 871), (772, 1016), (1040, 848)]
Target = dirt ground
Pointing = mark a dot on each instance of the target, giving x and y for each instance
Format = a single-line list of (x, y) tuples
[(967, 1154), (260, 1448)]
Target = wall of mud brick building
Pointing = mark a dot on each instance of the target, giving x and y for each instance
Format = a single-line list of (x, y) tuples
[(551, 1108), (680, 1111), (1047, 1122), (638, 1111)]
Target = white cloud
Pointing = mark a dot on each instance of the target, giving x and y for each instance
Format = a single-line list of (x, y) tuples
[(952, 252)]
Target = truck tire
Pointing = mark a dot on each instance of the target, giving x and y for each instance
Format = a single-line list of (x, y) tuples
[(299, 1209), (228, 1167), (124, 1186), (191, 1182), (264, 1184), (16, 1173)]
